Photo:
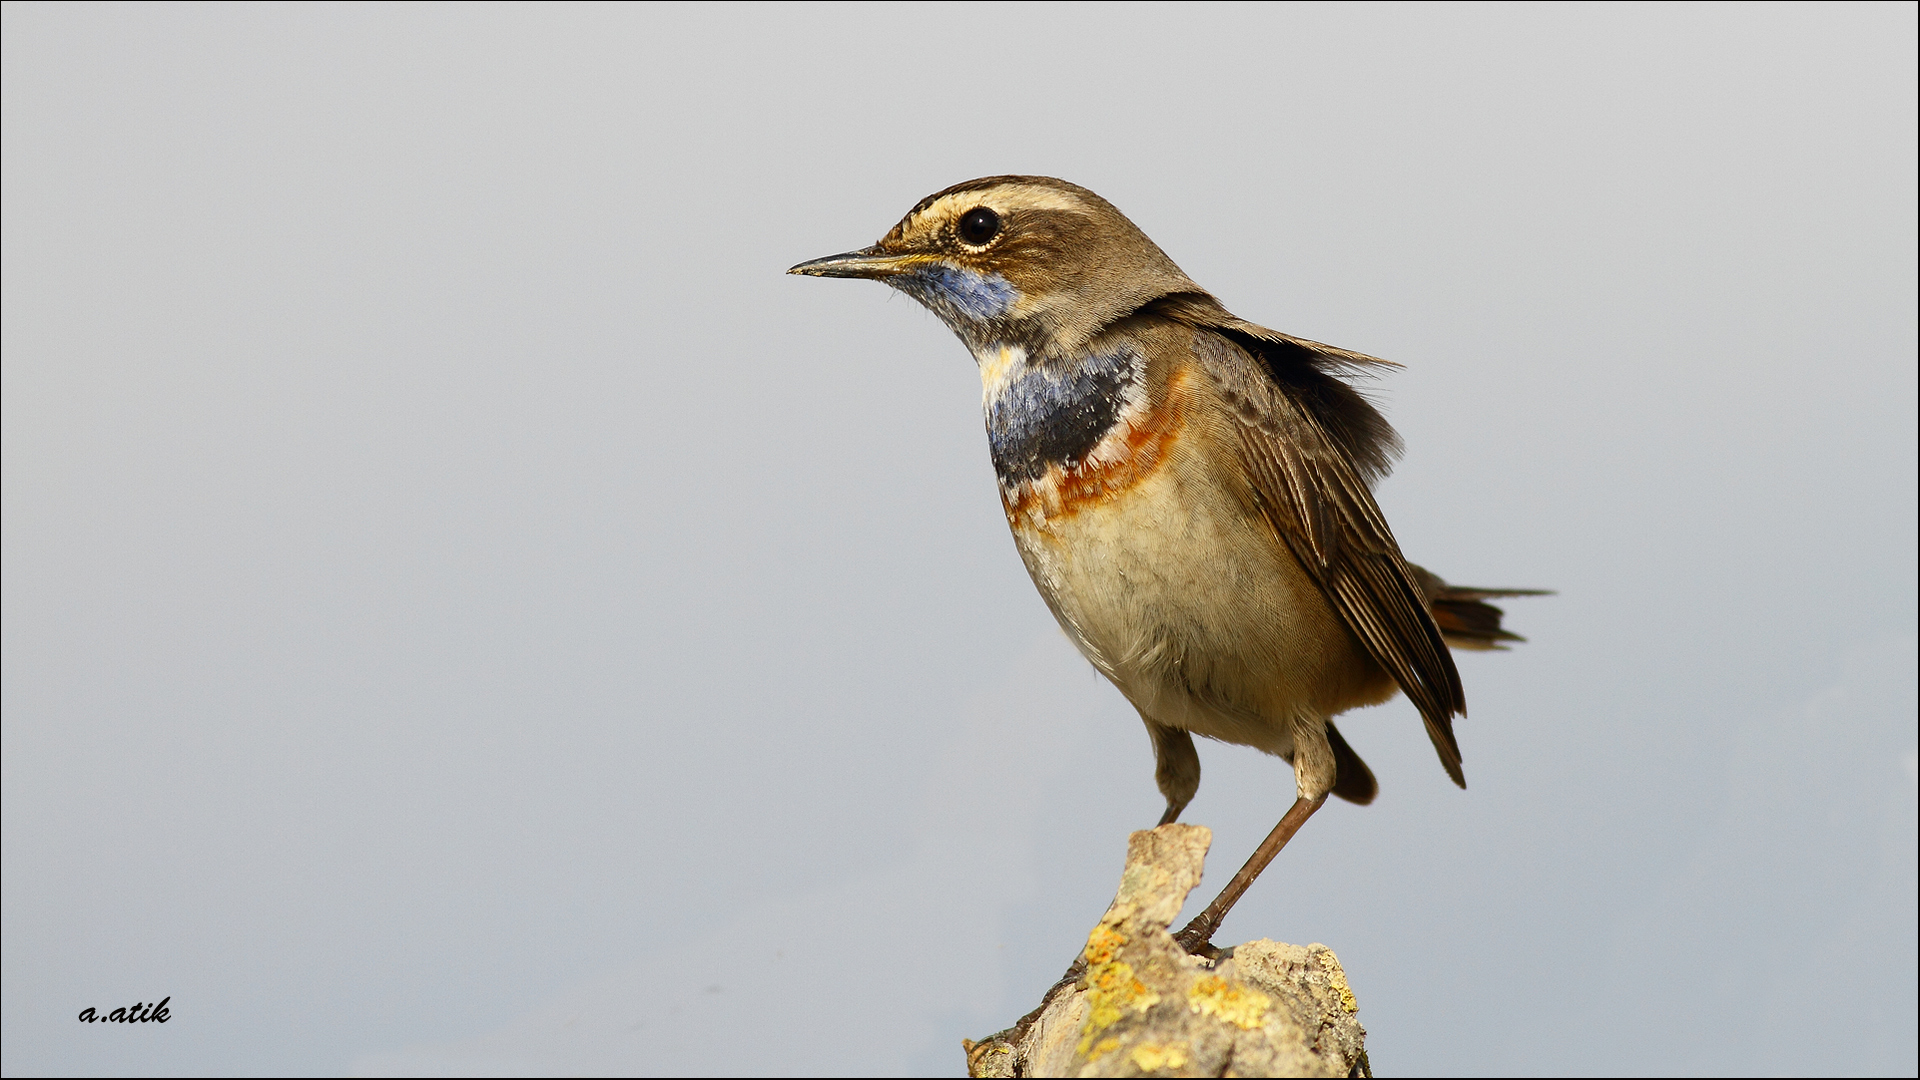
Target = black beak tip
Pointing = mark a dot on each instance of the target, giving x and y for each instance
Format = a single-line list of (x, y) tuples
[(847, 264)]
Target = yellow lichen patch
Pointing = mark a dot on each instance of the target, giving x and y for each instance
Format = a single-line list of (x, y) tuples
[(1241, 1006), (1112, 990), (1115, 982), (1338, 978), (1103, 944), (1152, 1057)]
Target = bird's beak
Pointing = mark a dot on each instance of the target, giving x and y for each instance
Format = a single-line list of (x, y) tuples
[(865, 263)]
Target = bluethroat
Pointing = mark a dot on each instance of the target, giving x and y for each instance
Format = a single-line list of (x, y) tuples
[(1190, 492)]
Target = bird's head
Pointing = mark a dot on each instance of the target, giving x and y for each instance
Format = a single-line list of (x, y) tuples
[(1025, 260)]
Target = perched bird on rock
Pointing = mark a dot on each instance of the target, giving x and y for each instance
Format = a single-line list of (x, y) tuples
[(1189, 491)]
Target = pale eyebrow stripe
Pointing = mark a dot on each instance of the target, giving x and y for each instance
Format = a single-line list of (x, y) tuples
[(1027, 197)]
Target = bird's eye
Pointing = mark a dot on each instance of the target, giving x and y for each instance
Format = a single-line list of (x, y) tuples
[(979, 225)]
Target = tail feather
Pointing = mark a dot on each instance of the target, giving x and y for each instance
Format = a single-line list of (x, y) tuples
[(1470, 624), (1473, 592), (1354, 782), (1465, 619)]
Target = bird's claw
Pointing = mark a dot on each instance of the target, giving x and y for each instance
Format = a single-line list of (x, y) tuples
[(1195, 941)]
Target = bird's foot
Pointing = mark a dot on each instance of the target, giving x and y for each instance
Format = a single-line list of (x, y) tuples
[(1196, 939)]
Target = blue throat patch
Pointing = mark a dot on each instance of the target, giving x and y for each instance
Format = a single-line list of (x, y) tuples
[(959, 295), (1056, 417)]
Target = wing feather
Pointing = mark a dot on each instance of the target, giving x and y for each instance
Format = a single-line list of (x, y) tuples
[(1310, 449)]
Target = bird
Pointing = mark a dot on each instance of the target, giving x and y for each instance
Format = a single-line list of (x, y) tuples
[(1190, 492)]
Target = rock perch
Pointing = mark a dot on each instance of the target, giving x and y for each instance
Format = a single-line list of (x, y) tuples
[(1139, 1005)]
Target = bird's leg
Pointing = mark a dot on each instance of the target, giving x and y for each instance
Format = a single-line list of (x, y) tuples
[(1176, 767), (1197, 935)]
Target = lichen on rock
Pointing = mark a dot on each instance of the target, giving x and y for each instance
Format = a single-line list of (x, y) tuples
[(1141, 1006)]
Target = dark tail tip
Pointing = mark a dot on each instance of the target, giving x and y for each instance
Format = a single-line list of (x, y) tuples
[(1467, 621), (1354, 782)]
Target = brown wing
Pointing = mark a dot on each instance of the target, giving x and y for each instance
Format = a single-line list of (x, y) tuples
[(1311, 442)]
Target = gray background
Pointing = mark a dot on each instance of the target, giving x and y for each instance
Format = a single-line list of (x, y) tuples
[(466, 610)]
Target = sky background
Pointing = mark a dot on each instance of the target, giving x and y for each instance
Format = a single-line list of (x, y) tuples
[(465, 609)]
